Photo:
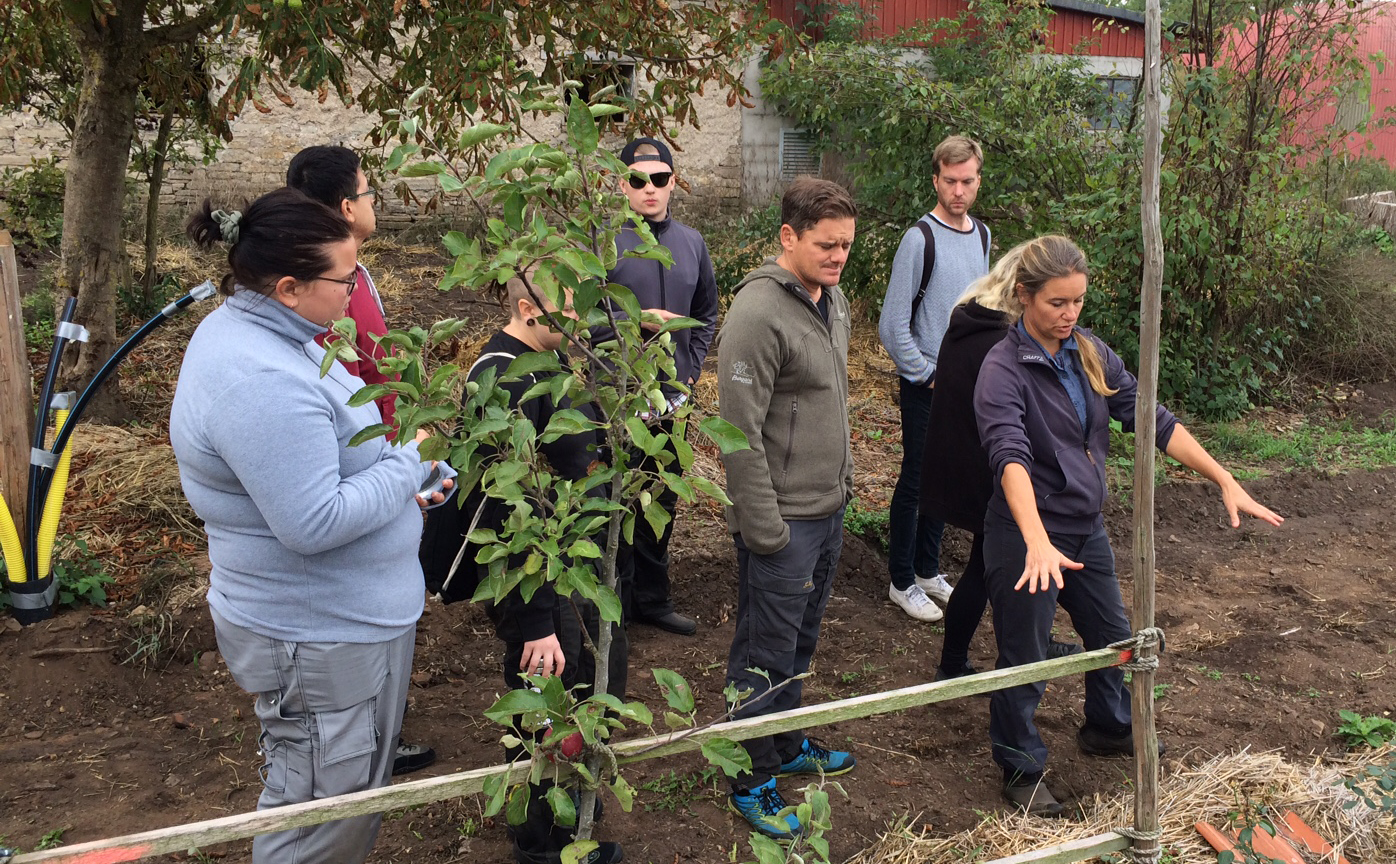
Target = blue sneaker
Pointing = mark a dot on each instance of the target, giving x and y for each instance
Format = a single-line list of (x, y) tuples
[(814, 759), (761, 807)]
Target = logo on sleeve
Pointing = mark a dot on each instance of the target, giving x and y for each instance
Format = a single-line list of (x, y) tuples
[(742, 372)]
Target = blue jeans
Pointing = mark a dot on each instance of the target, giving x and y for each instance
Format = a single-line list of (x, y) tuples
[(913, 540)]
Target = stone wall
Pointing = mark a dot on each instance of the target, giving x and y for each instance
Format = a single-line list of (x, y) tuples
[(710, 158)]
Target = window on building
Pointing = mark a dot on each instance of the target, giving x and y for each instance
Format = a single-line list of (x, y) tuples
[(1119, 101), (601, 73), (797, 154)]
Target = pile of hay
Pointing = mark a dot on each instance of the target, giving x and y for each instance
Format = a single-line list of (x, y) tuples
[(1211, 792)]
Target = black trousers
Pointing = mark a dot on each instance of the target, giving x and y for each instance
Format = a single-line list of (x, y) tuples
[(539, 836), (965, 610), (780, 606), (1023, 626), (643, 566)]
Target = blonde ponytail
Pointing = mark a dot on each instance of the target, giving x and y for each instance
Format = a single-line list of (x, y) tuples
[(1091, 364)]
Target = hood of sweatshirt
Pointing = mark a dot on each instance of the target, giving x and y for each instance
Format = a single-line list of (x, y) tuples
[(971, 319), (769, 269)]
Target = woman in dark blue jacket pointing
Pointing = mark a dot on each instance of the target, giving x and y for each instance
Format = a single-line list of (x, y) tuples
[(1044, 401)]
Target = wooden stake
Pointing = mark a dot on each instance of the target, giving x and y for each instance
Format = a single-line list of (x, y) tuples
[(16, 390), (1074, 850), (181, 838), (1145, 734)]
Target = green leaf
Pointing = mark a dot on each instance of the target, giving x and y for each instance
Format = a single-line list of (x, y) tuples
[(728, 438), (577, 851), (675, 690), (608, 604), (564, 811), (495, 788), (399, 155), (369, 433), (677, 721), (480, 133), (513, 703), (767, 850), (657, 516), (532, 362), (584, 548), (424, 169), (728, 755), (568, 421), (709, 488), (581, 128), (518, 805), (606, 110), (624, 792)]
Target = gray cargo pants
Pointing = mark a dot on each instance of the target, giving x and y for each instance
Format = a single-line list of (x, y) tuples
[(780, 606), (330, 713)]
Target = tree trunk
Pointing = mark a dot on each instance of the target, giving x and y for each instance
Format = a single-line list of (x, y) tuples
[(152, 201), (92, 248)]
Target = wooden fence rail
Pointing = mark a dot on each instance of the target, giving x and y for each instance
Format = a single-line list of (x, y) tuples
[(180, 838)]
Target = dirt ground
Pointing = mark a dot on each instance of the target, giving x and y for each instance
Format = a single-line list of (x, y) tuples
[(1271, 631)]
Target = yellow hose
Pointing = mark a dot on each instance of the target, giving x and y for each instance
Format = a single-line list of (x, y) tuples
[(53, 505), (10, 545)]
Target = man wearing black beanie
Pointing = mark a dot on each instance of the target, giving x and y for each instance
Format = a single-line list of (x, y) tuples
[(688, 288)]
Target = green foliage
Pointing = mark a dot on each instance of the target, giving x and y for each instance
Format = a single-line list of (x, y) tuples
[(1375, 787), (82, 581), (738, 244), (871, 525), (51, 840), (556, 212), (1246, 229), (31, 203), (677, 791), (1359, 731)]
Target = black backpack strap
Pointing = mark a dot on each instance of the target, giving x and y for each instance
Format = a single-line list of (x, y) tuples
[(928, 263), (983, 234)]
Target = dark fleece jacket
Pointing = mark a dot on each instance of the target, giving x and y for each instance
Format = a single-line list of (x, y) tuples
[(1026, 416)]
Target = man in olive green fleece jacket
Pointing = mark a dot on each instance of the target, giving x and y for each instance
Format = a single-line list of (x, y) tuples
[(783, 380)]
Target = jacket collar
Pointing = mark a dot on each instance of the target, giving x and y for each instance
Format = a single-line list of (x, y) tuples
[(269, 313), (1029, 350)]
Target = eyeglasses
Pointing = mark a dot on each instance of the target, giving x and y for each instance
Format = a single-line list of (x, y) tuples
[(349, 284), (370, 192), (660, 179)]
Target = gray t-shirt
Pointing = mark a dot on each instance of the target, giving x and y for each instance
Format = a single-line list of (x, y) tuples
[(960, 259)]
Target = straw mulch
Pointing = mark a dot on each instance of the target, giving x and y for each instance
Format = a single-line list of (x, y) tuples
[(125, 500), (1212, 792)]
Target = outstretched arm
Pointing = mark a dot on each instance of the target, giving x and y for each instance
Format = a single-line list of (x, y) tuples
[(1185, 448)]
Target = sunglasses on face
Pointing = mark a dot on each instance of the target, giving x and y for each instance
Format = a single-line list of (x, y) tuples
[(370, 192), (660, 179)]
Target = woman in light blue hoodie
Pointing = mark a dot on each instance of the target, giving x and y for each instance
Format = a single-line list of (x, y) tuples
[(315, 588)]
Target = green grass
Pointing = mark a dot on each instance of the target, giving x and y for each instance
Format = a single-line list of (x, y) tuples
[(1251, 451)]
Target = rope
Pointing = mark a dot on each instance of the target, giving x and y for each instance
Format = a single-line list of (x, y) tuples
[(1153, 856), (1149, 637)]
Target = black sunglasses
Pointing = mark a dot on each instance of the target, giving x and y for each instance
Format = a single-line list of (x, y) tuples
[(660, 179)]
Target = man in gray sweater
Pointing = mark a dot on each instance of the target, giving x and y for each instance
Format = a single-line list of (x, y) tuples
[(938, 258), (783, 380)]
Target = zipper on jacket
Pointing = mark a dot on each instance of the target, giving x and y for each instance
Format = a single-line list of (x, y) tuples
[(790, 447)]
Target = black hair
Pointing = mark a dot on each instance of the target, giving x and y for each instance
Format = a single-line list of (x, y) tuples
[(282, 233), (327, 173)]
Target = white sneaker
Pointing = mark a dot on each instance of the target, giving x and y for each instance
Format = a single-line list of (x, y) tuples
[(915, 603), (938, 589)]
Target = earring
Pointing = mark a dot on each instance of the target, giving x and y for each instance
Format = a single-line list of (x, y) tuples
[(528, 322)]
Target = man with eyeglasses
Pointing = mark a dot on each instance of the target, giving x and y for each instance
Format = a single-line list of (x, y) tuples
[(688, 288), (332, 176)]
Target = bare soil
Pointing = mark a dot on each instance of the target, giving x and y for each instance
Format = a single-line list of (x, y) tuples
[(1270, 632)]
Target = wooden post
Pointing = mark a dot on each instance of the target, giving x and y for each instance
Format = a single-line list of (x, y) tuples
[(16, 390), (1146, 824), (181, 838)]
